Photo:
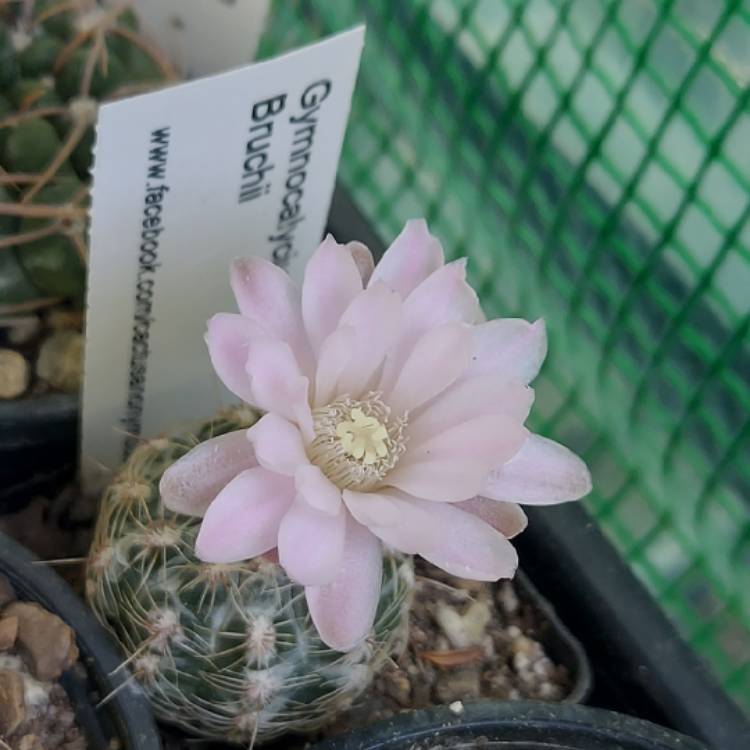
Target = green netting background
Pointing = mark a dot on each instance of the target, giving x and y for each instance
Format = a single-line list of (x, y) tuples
[(592, 159)]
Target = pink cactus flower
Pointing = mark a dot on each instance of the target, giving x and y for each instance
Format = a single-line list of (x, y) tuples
[(394, 414)]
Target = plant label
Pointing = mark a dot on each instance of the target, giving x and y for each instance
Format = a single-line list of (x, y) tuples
[(186, 179)]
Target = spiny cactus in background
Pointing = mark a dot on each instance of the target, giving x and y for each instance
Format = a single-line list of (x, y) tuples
[(224, 651), (58, 59)]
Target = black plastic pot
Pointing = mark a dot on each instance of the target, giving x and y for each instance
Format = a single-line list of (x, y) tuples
[(512, 726), (125, 721), (38, 444)]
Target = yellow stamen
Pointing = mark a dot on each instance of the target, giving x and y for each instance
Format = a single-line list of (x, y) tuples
[(363, 437)]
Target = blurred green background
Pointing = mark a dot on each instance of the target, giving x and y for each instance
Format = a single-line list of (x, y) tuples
[(592, 159)]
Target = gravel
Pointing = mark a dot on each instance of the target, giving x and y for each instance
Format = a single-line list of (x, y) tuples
[(36, 647), (468, 640)]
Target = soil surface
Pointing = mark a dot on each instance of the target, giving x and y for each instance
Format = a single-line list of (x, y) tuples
[(467, 640), (36, 647)]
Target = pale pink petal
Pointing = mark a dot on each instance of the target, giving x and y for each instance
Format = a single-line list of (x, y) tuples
[(543, 472), (443, 481), (363, 258), (469, 548), (438, 358), (269, 297), (228, 338), (373, 508), (335, 353), (190, 484), (511, 348), (443, 297), (317, 490), (344, 610), (243, 521), (278, 444), (507, 518), (276, 383), (332, 280), (470, 398), (399, 520), (375, 316), (491, 439), (311, 544), (410, 259)]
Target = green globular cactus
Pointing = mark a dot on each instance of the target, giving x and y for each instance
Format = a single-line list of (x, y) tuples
[(225, 651), (58, 60)]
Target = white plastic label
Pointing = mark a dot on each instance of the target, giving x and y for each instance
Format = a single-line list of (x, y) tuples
[(185, 179), (204, 36)]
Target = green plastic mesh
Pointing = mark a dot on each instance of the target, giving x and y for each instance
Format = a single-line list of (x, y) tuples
[(591, 159)]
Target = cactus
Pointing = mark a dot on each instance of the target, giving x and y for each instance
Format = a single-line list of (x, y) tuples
[(224, 651), (58, 59)]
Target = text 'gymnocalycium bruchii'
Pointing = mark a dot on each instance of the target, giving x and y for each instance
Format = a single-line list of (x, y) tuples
[(394, 415)]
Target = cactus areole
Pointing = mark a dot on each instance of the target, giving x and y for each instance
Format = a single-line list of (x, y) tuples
[(385, 418)]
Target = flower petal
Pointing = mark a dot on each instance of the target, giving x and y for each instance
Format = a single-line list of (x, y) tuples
[(317, 490), (410, 259), (507, 518), (278, 444), (190, 484), (492, 439), (469, 548), (375, 316), (243, 521), (276, 383), (311, 544), (373, 508), (443, 297), (335, 353), (543, 472), (363, 258), (401, 521), (228, 338), (344, 610), (470, 398), (438, 358), (268, 296), (511, 348), (332, 280), (446, 481)]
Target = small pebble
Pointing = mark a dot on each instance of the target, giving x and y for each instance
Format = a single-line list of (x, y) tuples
[(60, 360), (21, 329), (507, 598), (44, 639), (12, 702), (30, 742), (14, 374), (398, 687), (462, 683), (8, 633), (456, 707)]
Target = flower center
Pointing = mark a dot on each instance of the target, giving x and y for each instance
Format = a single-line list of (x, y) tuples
[(363, 437), (357, 442)]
